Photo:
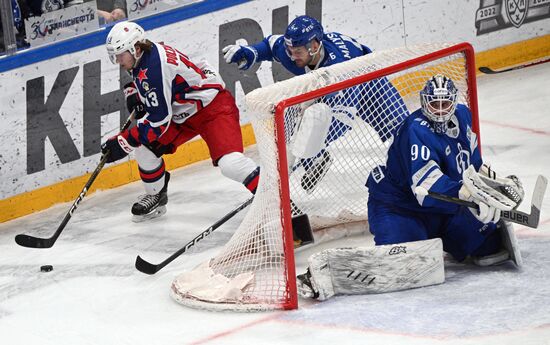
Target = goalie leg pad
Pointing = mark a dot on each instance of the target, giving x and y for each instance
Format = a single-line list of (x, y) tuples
[(366, 270)]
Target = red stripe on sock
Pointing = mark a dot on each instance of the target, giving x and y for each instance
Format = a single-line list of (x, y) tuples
[(152, 175)]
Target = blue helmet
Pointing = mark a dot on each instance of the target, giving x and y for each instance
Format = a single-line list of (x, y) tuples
[(438, 99), (302, 30)]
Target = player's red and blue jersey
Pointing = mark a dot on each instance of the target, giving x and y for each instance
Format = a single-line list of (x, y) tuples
[(172, 88)]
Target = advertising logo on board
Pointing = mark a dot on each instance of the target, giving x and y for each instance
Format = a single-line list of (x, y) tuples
[(493, 15)]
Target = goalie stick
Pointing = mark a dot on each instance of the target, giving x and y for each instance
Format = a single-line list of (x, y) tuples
[(37, 242), (531, 220), (149, 268), (488, 70)]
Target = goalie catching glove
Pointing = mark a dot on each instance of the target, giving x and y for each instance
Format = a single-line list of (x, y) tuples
[(492, 194)]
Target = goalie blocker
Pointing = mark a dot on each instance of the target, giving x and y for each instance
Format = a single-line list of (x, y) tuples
[(367, 270)]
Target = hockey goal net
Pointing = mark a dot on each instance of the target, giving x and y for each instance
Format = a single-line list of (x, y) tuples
[(367, 98)]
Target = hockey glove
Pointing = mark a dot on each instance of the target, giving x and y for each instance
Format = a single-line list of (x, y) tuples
[(492, 194), (133, 101), (116, 147), (159, 149), (243, 56)]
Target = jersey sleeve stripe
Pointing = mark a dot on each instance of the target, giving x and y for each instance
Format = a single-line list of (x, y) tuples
[(205, 87), (423, 171), (272, 39), (197, 102)]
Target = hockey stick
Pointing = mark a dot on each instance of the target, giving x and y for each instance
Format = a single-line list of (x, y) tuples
[(488, 70), (149, 268), (531, 220), (37, 242)]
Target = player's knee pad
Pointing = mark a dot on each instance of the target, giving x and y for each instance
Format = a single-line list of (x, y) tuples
[(236, 166)]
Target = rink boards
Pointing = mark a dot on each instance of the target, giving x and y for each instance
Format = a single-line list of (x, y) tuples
[(60, 102)]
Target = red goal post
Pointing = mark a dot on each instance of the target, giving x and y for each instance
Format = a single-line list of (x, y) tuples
[(367, 98)]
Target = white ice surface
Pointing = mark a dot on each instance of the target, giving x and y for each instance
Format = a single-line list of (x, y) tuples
[(94, 295)]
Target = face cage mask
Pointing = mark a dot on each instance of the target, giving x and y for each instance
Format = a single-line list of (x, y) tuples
[(439, 110)]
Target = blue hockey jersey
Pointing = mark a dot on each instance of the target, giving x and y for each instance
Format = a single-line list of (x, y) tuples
[(337, 48), (377, 102), (420, 157)]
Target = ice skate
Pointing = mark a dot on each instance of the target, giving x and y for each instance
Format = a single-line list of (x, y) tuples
[(510, 250), (151, 206), (311, 178)]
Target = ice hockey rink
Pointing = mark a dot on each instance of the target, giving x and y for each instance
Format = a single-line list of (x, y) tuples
[(94, 295)]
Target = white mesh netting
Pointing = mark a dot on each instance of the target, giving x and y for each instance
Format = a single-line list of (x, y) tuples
[(252, 271)]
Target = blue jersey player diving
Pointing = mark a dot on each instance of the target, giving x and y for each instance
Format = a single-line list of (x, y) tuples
[(174, 99), (305, 47), (436, 150)]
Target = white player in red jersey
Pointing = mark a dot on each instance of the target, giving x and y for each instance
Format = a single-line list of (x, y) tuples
[(174, 100)]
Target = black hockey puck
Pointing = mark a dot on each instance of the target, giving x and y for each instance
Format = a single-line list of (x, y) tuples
[(46, 268)]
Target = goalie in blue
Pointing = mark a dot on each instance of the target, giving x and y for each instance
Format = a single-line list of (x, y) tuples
[(305, 47), (435, 150)]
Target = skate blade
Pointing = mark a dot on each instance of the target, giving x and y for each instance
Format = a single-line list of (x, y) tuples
[(159, 211), (318, 174)]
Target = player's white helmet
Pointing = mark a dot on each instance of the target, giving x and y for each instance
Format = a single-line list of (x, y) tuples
[(438, 100), (123, 37)]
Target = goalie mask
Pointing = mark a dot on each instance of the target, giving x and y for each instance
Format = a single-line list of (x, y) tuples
[(438, 100), (123, 37), (301, 32)]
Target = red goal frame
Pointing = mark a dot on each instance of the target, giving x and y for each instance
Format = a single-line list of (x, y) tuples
[(465, 48)]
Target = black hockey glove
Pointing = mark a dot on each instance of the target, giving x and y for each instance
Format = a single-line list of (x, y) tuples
[(116, 148), (133, 102), (159, 149)]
